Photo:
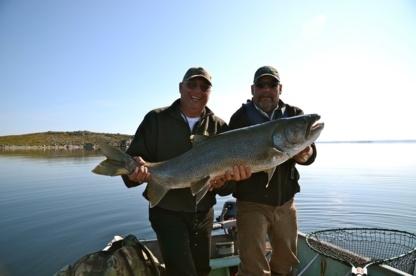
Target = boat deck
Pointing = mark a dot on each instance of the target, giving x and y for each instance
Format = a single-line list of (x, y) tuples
[(311, 263)]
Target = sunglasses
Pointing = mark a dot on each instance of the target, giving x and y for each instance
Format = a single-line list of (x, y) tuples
[(270, 84), (193, 85)]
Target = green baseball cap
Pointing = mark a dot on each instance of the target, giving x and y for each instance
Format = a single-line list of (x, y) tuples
[(266, 71), (194, 72)]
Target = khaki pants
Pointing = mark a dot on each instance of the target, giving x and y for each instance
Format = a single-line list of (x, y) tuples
[(254, 222)]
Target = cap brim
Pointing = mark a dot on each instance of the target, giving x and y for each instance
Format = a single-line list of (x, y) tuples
[(266, 75), (195, 76)]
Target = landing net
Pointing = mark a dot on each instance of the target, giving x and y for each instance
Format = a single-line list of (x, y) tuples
[(361, 247)]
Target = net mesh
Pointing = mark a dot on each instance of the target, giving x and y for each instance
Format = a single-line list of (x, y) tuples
[(366, 246)]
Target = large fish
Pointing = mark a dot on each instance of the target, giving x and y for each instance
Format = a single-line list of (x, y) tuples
[(260, 147)]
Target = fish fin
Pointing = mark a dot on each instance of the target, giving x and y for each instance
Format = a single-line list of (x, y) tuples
[(155, 193), (117, 162), (199, 185), (197, 139), (201, 194), (270, 173)]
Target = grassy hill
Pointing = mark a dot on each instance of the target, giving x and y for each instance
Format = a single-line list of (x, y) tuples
[(63, 139)]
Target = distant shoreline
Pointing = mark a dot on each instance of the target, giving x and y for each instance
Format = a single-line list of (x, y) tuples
[(81, 139), (86, 147), (123, 146), (366, 141), (47, 147)]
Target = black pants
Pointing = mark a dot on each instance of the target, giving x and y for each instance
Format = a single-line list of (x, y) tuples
[(184, 240)]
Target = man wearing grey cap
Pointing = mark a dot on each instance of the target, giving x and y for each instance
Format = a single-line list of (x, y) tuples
[(268, 210), (183, 228)]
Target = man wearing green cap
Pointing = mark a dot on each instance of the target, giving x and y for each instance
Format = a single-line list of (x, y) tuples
[(183, 228), (268, 210)]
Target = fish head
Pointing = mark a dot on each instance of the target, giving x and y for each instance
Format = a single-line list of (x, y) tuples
[(294, 134)]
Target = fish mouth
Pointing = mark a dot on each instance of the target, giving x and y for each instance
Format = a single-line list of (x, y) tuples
[(313, 126), (298, 131)]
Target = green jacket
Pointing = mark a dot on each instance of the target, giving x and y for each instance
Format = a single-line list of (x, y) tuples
[(163, 135), (284, 183)]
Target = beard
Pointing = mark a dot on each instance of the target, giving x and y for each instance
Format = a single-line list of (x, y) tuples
[(267, 106)]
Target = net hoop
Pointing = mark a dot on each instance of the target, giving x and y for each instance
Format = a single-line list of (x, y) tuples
[(362, 247)]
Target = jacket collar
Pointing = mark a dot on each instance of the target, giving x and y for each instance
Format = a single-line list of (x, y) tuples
[(175, 110)]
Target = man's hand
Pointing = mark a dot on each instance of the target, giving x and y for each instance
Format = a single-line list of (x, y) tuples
[(304, 155), (239, 173), (140, 174)]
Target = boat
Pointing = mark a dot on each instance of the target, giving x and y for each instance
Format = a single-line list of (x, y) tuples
[(311, 263), (224, 253)]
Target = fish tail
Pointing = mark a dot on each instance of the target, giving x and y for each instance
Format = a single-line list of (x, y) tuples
[(117, 162)]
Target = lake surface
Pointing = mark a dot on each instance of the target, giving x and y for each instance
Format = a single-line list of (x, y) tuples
[(53, 210)]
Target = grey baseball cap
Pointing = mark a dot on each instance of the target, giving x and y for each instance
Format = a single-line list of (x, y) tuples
[(266, 71), (194, 72)]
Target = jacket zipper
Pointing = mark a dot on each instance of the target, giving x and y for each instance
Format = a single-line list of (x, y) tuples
[(279, 185), (292, 172)]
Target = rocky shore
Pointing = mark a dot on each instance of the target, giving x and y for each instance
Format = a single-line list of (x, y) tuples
[(43, 147), (63, 140)]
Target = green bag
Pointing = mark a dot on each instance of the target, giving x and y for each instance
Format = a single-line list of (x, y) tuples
[(123, 257)]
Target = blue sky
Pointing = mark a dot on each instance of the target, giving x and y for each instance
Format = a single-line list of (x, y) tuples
[(102, 65)]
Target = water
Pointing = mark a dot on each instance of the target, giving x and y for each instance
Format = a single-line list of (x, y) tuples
[(53, 210)]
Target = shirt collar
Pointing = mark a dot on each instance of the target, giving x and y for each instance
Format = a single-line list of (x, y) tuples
[(264, 113)]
